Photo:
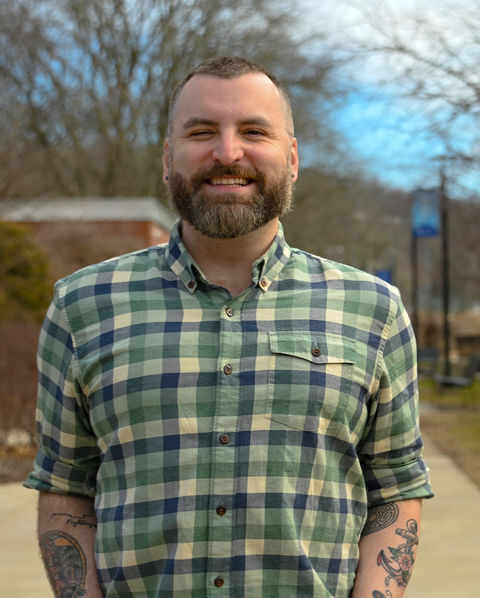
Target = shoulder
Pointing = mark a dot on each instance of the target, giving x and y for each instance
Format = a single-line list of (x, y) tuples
[(350, 289), (122, 268), (89, 293), (341, 275)]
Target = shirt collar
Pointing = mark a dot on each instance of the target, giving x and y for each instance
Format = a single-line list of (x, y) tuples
[(264, 270)]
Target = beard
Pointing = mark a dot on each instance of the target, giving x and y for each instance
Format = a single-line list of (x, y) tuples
[(226, 216)]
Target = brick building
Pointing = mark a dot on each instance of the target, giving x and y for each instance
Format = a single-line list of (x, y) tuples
[(75, 232)]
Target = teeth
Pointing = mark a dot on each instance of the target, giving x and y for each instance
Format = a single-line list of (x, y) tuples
[(229, 182)]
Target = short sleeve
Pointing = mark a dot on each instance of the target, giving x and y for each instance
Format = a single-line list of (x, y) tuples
[(68, 457), (391, 450)]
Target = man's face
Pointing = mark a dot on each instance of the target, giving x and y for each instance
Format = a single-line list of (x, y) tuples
[(230, 159)]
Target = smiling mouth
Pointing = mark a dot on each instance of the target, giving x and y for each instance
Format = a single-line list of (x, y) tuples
[(238, 181)]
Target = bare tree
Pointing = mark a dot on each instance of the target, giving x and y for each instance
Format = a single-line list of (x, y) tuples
[(91, 80), (425, 59)]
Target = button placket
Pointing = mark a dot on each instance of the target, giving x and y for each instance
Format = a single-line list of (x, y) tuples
[(221, 513)]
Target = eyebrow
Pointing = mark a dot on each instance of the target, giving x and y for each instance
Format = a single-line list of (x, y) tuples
[(195, 121)]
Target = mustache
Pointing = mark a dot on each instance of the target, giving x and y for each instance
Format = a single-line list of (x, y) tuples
[(219, 171)]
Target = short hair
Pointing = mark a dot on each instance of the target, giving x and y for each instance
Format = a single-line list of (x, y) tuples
[(228, 67)]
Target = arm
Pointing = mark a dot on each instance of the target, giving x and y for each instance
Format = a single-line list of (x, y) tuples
[(387, 550), (395, 473), (66, 532)]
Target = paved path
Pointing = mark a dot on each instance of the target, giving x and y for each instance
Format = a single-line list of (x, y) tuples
[(21, 571), (447, 566), (448, 562)]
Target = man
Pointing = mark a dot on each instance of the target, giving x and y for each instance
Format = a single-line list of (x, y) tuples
[(225, 415)]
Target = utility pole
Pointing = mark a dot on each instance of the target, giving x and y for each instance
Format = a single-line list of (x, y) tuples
[(444, 212)]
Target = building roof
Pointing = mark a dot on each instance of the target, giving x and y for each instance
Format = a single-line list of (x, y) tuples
[(87, 209)]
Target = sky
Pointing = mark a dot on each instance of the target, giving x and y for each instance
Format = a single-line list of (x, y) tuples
[(384, 134), (386, 139)]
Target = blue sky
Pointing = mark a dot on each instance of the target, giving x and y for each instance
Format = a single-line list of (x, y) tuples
[(384, 133), (388, 141)]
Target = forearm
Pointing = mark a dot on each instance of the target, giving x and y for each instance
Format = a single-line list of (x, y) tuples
[(388, 550), (66, 533)]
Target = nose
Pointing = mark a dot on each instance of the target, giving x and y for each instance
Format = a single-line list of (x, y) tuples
[(228, 148)]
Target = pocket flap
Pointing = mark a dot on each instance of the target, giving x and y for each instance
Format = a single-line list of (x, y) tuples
[(313, 347)]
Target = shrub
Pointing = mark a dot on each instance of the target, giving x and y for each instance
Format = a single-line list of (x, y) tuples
[(25, 285)]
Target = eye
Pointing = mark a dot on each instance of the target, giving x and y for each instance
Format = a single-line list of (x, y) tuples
[(201, 133), (254, 133)]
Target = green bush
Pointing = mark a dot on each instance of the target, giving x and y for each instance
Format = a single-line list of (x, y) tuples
[(25, 285)]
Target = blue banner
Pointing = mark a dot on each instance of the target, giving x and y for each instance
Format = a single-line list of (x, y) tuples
[(386, 275), (425, 213)]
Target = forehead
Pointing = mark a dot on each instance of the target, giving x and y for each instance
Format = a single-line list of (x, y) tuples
[(239, 98)]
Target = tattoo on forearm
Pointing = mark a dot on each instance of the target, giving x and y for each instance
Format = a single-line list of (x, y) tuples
[(380, 517), (77, 520), (65, 563), (377, 594), (398, 564)]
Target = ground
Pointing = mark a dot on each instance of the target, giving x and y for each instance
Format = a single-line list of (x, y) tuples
[(456, 432), (450, 417), (15, 463)]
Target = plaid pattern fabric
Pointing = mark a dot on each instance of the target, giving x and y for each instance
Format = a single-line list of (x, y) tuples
[(233, 446)]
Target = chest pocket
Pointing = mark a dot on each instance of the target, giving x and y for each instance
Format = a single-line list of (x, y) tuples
[(310, 378)]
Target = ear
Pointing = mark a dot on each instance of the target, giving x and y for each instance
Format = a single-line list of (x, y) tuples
[(294, 160), (166, 160)]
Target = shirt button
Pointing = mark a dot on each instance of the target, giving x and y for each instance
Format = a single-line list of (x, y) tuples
[(316, 352), (224, 439), (191, 284), (221, 510), (227, 369), (229, 312), (264, 283), (218, 582)]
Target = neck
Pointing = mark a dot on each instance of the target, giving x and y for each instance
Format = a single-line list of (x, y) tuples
[(228, 262)]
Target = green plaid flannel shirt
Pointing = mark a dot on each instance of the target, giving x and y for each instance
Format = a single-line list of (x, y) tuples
[(233, 445)]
